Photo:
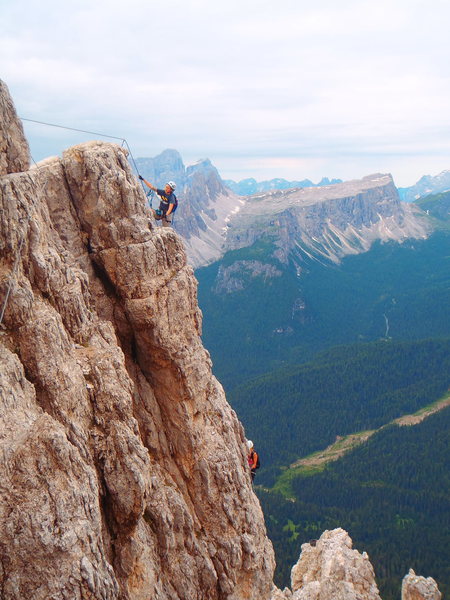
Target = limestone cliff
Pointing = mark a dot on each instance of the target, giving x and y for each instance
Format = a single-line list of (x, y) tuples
[(14, 151), (122, 467)]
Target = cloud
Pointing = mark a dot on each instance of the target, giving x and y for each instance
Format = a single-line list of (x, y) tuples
[(294, 85)]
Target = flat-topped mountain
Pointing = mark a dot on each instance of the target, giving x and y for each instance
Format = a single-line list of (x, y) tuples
[(327, 222)]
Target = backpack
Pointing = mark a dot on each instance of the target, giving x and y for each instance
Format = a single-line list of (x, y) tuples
[(257, 460), (175, 206)]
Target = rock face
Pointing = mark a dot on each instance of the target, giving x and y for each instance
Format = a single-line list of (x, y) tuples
[(415, 587), (231, 279), (122, 467), (14, 151)]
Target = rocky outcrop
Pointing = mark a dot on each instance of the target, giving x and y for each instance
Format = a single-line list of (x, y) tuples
[(14, 150), (330, 569), (231, 278), (415, 587), (122, 467)]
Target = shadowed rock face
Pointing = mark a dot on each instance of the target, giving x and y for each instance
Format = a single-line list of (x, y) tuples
[(122, 468)]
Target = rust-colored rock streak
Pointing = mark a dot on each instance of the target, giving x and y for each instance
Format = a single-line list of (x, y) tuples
[(122, 466)]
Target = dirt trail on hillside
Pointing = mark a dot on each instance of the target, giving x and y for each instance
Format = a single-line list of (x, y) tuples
[(419, 417), (342, 445)]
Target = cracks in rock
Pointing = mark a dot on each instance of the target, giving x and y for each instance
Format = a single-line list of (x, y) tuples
[(104, 278)]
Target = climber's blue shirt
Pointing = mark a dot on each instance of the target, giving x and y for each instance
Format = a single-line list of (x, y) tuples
[(166, 200)]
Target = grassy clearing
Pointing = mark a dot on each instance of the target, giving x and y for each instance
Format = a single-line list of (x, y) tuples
[(317, 461)]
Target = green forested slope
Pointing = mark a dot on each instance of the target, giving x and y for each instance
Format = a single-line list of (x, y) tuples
[(336, 350), (438, 207), (391, 494), (294, 411), (393, 291)]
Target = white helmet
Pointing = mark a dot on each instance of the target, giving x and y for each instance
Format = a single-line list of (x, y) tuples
[(172, 184), (249, 444)]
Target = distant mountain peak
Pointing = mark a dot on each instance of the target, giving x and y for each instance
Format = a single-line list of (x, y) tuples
[(427, 185), (250, 186)]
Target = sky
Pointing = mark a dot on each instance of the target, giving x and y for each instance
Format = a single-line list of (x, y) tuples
[(288, 88)]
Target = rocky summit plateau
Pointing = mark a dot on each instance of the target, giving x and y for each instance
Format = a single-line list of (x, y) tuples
[(123, 469), (328, 222)]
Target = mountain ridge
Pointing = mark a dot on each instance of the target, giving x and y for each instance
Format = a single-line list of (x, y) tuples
[(123, 468), (209, 209), (249, 186)]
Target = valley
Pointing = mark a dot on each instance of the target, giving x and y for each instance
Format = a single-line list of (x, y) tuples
[(353, 350), (325, 311)]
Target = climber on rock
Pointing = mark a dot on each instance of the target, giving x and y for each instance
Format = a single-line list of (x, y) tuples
[(253, 459), (168, 203)]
